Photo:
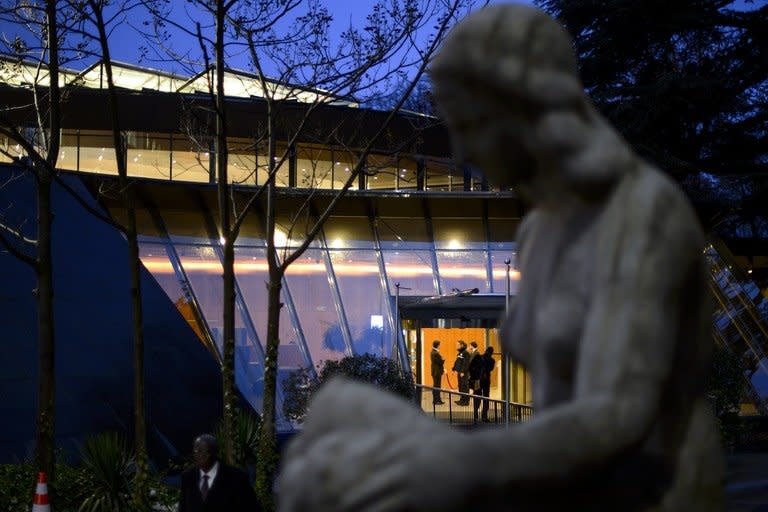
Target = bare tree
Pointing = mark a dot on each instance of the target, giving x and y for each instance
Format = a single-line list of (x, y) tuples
[(293, 40), (40, 145), (94, 21)]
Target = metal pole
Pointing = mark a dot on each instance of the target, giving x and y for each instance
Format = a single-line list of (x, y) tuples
[(398, 326), (507, 359)]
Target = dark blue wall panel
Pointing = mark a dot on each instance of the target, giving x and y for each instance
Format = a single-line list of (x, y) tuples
[(94, 376)]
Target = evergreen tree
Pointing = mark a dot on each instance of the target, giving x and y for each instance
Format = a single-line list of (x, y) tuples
[(686, 82)]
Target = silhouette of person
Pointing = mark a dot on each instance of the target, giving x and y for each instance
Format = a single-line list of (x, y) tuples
[(485, 365), (212, 486), (461, 367), (437, 370)]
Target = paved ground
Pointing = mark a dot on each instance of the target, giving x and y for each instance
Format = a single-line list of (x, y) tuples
[(747, 482)]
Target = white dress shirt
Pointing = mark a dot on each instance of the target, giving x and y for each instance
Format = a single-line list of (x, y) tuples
[(211, 475)]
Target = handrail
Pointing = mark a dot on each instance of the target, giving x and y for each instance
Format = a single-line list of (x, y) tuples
[(464, 415)]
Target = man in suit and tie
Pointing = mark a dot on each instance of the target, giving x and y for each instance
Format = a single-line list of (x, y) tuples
[(438, 369), (213, 486)]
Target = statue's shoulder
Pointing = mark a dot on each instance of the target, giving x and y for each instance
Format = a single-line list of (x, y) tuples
[(528, 226), (649, 201)]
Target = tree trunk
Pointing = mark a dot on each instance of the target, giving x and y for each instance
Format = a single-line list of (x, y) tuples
[(44, 448), (140, 496), (266, 462), (228, 306), (44, 454)]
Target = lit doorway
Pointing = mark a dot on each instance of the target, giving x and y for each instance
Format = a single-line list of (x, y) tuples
[(450, 319)]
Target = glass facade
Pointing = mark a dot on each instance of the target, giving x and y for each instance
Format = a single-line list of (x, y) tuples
[(190, 158), (338, 296)]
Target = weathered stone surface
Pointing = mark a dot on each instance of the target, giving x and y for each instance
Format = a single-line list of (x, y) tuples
[(611, 318)]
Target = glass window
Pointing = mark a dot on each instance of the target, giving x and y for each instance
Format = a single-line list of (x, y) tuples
[(463, 270), (316, 168), (202, 267), (443, 175), (382, 171), (155, 258), (68, 152), (499, 270), (412, 269), (253, 277), (364, 300), (97, 153), (282, 157), (149, 154), (241, 161), (406, 178), (308, 281), (191, 159)]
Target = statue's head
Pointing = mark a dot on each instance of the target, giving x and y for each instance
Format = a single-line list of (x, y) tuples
[(507, 85)]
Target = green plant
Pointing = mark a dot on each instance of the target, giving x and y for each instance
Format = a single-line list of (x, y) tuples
[(108, 468), (245, 437), (725, 390), (382, 372), (16, 486)]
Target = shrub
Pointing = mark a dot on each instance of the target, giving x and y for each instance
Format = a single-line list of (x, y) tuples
[(108, 468), (247, 426), (382, 372)]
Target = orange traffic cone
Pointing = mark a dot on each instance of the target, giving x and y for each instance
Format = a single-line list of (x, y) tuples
[(41, 503)]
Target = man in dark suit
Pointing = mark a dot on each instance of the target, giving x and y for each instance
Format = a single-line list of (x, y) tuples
[(213, 486), (438, 368)]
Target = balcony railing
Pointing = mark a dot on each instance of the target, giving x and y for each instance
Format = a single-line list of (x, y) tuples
[(464, 415)]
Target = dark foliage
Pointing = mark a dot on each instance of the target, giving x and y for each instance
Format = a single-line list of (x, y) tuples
[(726, 389), (686, 82), (382, 372)]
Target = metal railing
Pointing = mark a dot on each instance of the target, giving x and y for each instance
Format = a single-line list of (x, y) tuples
[(464, 415)]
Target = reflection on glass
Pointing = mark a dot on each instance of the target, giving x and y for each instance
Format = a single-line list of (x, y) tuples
[(412, 269), (382, 172), (191, 159), (202, 267), (443, 175), (406, 174), (148, 154), (316, 168), (308, 280), (241, 161), (97, 153), (253, 277), (463, 270), (364, 300), (68, 156)]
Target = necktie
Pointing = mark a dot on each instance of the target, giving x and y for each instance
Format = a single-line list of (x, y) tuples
[(204, 487)]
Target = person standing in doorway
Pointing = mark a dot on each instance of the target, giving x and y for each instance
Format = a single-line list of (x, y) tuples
[(438, 368), (486, 365), (461, 367), (474, 367)]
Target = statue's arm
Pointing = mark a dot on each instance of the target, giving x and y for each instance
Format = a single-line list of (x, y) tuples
[(627, 345)]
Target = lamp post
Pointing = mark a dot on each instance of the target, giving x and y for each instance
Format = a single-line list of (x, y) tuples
[(507, 359)]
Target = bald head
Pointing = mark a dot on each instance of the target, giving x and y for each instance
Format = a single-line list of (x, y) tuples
[(205, 451)]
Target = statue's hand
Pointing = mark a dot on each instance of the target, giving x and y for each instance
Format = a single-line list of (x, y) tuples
[(364, 450)]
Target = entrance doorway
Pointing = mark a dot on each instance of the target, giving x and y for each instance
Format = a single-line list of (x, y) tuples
[(450, 319)]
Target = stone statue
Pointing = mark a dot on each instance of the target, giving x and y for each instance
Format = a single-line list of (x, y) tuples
[(612, 317)]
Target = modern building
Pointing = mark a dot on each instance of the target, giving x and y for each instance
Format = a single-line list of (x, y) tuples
[(419, 249), (382, 277)]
